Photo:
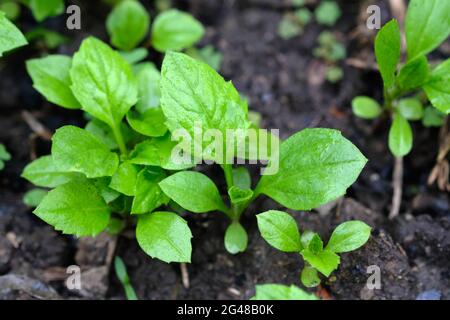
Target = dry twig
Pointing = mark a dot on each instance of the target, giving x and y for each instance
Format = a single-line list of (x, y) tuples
[(397, 186)]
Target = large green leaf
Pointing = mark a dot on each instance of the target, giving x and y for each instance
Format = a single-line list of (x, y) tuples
[(76, 150), (128, 24), (316, 166), (427, 26), (10, 36), (400, 136), (52, 79), (438, 87), (348, 236), (387, 51), (103, 82), (193, 191), (280, 230), (75, 208), (175, 30), (165, 236)]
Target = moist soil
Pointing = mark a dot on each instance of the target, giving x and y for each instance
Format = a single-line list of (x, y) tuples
[(286, 84)]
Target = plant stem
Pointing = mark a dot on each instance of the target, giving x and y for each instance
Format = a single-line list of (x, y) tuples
[(119, 139), (228, 170)]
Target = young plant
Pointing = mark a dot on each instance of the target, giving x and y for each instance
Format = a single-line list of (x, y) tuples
[(281, 292), (331, 51), (280, 230), (327, 13), (122, 275), (406, 91), (314, 166), (10, 37), (4, 156)]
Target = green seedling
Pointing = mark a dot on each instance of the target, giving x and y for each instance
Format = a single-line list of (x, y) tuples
[(415, 84), (327, 13), (332, 52), (280, 230), (122, 275), (4, 156), (10, 37), (293, 24), (281, 292)]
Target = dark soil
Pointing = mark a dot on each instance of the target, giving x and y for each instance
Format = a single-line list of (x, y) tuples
[(285, 83)]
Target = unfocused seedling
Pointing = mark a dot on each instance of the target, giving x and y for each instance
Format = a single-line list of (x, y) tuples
[(4, 156), (34, 197), (293, 24), (281, 292), (122, 275), (332, 52), (280, 230), (327, 13)]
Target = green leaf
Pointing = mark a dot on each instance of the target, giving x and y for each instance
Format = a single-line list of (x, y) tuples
[(238, 195), (43, 172), (165, 236), (400, 136), (328, 13), (102, 132), (149, 195), (280, 230), (194, 95), (203, 198), (148, 78), (411, 108), (4, 154), (236, 238), (241, 178), (103, 82), (150, 123), (51, 78), (207, 54), (316, 166), (124, 180), (437, 87), (427, 26), (313, 242), (102, 185), (387, 51), (122, 275), (47, 38), (10, 37), (134, 56), (366, 108), (175, 30), (348, 236), (75, 208), (309, 277), (281, 292), (325, 261), (158, 152), (413, 74), (76, 150), (432, 117), (128, 24), (34, 197), (288, 28), (43, 9)]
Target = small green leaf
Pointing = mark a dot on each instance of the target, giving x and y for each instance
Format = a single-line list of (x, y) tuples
[(149, 195), (203, 198), (432, 117), (366, 108), (43, 9), (437, 87), (413, 74), (148, 78), (10, 37), (76, 150), (281, 292), (236, 238), (103, 82), (328, 13), (316, 166), (238, 195), (280, 230), (75, 208), (175, 30), (124, 180), (165, 236), (43, 172), (34, 197), (349, 236), (134, 56), (400, 136), (309, 277), (150, 123), (51, 78), (314, 244), (325, 261), (128, 24), (4, 154), (158, 152), (388, 50), (122, 275), (427, 26), (241, 178), (411, 108)]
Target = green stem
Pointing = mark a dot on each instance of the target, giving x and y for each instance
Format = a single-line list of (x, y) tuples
[(228, 170), (119, 139)]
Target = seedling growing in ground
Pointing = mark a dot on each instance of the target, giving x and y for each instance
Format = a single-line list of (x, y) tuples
[(122, 275), (415, 84), (327, 13), (331, 51), (281, 292), (280, 230), (4, 156)]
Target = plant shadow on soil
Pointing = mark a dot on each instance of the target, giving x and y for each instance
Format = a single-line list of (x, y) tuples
[(285, 83)]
